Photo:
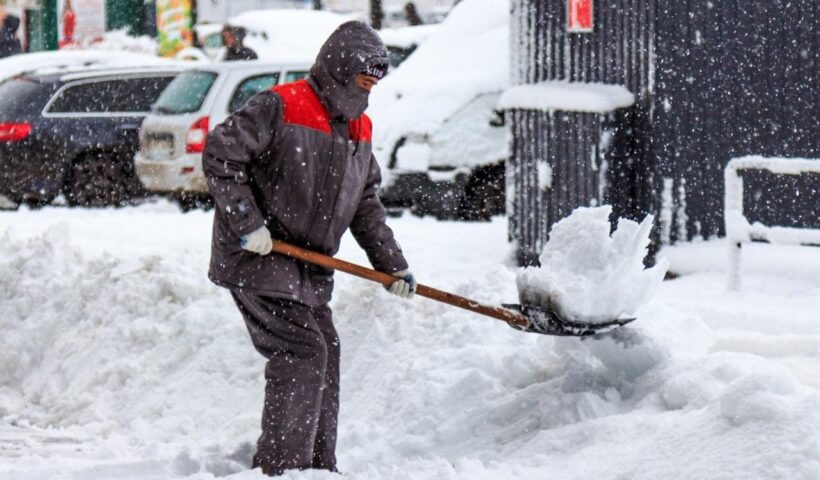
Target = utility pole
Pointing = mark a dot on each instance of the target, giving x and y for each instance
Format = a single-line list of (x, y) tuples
[(376, 14)]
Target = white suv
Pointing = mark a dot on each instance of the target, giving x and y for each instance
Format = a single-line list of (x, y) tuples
[(172, 137)]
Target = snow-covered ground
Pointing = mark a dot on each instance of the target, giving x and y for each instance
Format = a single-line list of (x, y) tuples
[(119, 360)]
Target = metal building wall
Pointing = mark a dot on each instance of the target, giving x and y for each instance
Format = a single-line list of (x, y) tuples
[(586, 152), (735, 77), (714, 80), (566, 173)]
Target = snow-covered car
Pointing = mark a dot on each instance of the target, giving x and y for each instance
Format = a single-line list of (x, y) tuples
[(402, 41), (75, 133), (436, 125), (209, 36), (172, 137)]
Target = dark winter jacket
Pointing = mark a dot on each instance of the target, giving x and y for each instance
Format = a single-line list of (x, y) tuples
[(298, 160), (9, 44)]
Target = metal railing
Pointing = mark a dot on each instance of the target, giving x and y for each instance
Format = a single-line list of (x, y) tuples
[(738, 228)]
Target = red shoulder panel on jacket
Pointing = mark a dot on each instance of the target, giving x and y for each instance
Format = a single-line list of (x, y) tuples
[(300, 106), (361, 129)]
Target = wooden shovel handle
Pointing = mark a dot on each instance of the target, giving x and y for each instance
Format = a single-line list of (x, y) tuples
[(386, 279)]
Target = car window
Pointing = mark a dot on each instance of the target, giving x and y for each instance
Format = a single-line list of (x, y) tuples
[(86, 97), (397, 55), (250, 87), (140, 93), (128, 95), (214, 40), (22, 96), (186, 93), (293, 76)]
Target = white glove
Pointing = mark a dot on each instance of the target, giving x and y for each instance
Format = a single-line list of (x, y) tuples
[(405, 286), (258, 241)]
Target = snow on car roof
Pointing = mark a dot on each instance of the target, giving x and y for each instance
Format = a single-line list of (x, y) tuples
[(55, 62), (467, 56), (291, 33), (120, 72), (220, 67)]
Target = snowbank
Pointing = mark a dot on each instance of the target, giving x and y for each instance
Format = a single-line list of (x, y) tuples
[(96, 341), (567, 96), (588, 275)]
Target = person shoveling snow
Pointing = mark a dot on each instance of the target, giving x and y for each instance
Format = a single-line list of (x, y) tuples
[(588, 276), (295, 164)]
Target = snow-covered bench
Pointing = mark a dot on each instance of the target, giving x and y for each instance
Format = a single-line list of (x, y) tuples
[(739, 230)]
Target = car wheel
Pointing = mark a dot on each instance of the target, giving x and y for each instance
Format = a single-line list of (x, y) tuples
[(394, 212), (483, 194), (193, 201), (97, 180)]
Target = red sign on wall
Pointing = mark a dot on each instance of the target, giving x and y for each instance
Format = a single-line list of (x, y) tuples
[(579, 15)]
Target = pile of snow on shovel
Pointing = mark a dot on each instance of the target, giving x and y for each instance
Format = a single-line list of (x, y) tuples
[(590, 276)]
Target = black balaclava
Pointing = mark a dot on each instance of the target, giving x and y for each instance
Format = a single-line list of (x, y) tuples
[(353, 48)]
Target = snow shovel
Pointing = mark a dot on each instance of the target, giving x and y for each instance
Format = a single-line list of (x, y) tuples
[(527, 318)]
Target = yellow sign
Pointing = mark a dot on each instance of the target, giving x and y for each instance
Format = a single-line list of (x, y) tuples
[(174, 26)]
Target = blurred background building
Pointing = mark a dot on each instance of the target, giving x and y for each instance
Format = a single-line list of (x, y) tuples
[(52, 24)]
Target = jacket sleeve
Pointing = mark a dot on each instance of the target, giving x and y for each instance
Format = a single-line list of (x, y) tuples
[(229, 152), (370, 230)]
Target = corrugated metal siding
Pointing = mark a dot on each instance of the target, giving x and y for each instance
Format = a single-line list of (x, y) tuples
[(618, 52), (735, 77), (715, 79), (559, 149)]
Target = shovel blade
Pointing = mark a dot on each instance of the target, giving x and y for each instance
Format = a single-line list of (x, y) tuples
[(548, 322)]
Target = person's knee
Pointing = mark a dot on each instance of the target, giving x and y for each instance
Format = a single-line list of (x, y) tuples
[(305, 359)]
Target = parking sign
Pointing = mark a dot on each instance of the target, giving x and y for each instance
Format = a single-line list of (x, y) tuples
[(579, 16)]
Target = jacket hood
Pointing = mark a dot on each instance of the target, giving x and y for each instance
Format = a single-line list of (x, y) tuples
[(10, 25), (352, 48)]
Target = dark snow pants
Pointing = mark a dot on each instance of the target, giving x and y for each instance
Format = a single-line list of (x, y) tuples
[(302, 382)]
